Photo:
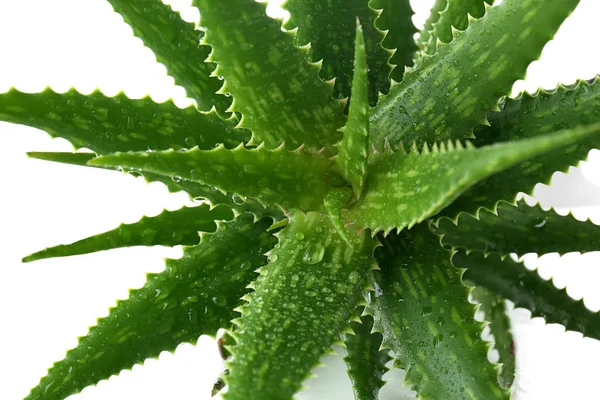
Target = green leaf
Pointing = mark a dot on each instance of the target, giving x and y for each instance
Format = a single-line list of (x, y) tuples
[(351, 160), (519, 229), (196, 191), (495, 312), (109, 124), (451, 91), (396, 20), (169, 228), (446, 15), (192, 297), (302, 302), (365, 359), (289, 179), (334, 202), (404, 189), (423, 311), (329, 27), (176, 44), (512, 281), (530, 116), (279, 94)]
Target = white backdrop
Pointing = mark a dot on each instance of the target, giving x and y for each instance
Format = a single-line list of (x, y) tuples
[(46, 305)]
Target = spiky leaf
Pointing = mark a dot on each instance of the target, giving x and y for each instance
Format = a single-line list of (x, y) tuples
[(108, 124), (520, 229), (192, 297), (512, 281), (396, 20), (290, 179), (404, 189), (448, 14), (301, 304), (196, 191), (353, 149), (365, 359), (176, 44), (329, 28), (279, 94), (169, 228), (495, 312), (451, 92), (428, 322), (530, 116)]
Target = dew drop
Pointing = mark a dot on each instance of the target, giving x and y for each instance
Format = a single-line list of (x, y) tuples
[(314, 254), (353, 277), (299, 235)]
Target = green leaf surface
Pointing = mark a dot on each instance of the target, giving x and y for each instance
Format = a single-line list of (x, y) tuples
[(334, 202), (530, 116), (289, 179), (176, 44), (280, 95), (404, 189), (396, 20), (445, 15), (109, 124), (513, 281), (364, 359), (519, 229), (302, 302), (169, 228), (451, 91), (329, 28), (192, 297), (196, 191), (423, 311), (352, 157), (495, 312)]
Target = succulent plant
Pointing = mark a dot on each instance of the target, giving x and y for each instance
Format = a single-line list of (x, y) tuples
[(359, 186)]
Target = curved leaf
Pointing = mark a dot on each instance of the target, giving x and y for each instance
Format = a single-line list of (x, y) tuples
[(329, 28), (108, 124), (404, 189), (530, 116), (451, 91), (301, 303), (176, 44), (194, 296), (427, 321), (169, 228), (519, 229), (290, 179), (279, 94), (512, 281)]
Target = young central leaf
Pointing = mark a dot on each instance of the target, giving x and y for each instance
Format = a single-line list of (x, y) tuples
[(301, 304), (353, 149)]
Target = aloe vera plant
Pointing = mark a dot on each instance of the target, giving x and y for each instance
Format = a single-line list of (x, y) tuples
[(377, 210)]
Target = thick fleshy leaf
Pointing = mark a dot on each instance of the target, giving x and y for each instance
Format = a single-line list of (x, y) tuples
[(289, 179), (448, 14), (192, 297), (495, 312), (351, 160), (404, 189), (451, 91), (176, 44), (365, 359), (519, 229), (396, 20), (334, 202), (513, 281), (196, 191), (169, 228), (329, 28), (280, 95), (530, 116), (108, 124), (423, 311), (302, 302)]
